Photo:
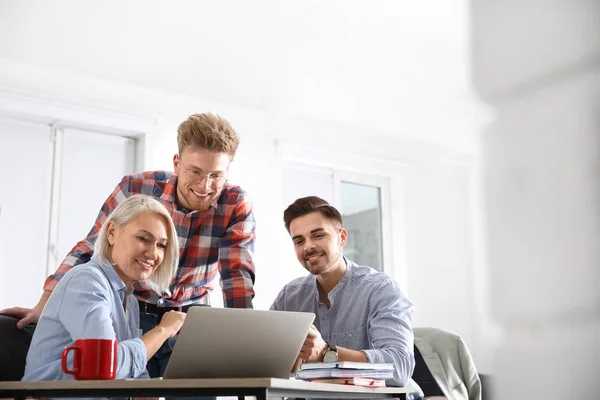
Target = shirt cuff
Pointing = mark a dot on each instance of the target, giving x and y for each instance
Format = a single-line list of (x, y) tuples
[(374, 356), (137, 351)]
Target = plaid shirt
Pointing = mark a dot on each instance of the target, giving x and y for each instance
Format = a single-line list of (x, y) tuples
[(219, 239)]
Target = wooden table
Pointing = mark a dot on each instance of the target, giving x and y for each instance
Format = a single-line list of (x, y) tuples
[(262, 388)]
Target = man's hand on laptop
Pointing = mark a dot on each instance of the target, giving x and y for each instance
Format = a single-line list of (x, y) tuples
[(172, 322), (297, 364), (314, 346)]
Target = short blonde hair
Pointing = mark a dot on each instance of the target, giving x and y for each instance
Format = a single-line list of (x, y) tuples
[(208, 131), (160, 280)]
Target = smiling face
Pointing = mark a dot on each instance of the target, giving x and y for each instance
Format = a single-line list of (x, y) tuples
[(201, 175), (138, 247), (318, 242)]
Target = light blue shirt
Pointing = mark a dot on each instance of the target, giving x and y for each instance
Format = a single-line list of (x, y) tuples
[(88, 302), (368, 313)]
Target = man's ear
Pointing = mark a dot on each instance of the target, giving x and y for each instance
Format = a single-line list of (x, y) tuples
[(343, 236), (176, 164)]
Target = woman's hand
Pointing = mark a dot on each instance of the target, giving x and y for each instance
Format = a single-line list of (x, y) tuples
[(172, 321)]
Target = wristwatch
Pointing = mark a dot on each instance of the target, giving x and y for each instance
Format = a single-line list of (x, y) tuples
[(331, 355)]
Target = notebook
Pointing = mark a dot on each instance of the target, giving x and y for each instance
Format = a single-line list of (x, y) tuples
[(345, 369), (309, 374), (352, 381), (238, 343), (347, 365)]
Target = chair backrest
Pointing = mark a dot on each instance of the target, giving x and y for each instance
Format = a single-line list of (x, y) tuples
[(422, 376), (448, 359), (13, 349)]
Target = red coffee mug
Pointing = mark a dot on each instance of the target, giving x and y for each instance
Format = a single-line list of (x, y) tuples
[(93, 359)]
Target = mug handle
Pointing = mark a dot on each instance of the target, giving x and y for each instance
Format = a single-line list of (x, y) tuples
[(75, 369)]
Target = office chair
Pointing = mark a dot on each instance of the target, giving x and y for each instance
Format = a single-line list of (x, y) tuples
[(13, 351), (444, 366), (422, 376)]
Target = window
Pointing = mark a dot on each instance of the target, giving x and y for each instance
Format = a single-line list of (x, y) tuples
[(25, 159), (358, 197), (361, 211), (91, 165), (55, 181)]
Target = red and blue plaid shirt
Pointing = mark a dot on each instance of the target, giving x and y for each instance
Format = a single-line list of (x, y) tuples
[(220, 239)]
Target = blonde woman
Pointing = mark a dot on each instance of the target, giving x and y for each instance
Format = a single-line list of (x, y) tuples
[(138, 242)]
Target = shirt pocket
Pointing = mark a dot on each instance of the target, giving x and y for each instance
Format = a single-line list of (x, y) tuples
[(355, 339)]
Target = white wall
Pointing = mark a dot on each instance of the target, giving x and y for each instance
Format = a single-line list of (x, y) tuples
[(390, 66), (438, 238), (537, 64)]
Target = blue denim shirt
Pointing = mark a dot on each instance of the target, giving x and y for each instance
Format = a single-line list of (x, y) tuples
[(87, 303), (368, 312)]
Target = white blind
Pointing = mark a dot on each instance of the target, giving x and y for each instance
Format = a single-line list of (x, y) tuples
[(93, 163), (25, 170)]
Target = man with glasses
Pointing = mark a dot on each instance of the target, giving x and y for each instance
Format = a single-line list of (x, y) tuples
[(214, 221)]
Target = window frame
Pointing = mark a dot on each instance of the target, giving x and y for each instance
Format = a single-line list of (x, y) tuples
[(58, 132), (383, 184), (388, 175)]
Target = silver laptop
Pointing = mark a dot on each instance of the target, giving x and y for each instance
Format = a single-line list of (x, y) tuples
[(238, 343)]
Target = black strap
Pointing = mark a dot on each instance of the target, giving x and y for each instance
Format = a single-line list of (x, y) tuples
[(149, 308)]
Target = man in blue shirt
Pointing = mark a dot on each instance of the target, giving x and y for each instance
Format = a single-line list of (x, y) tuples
[(361, 314)]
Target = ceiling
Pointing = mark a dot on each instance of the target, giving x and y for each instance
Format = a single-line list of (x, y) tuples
[(400, 67)]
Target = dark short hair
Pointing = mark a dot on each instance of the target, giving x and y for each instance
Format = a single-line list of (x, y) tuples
[(307, 205)]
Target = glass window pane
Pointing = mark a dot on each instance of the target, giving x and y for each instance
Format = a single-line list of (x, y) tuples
[(361, 211)]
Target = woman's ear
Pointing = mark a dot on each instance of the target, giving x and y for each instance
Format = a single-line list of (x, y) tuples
[(111, 232)]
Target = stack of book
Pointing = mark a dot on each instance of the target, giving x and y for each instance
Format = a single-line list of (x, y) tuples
[(347, 373)]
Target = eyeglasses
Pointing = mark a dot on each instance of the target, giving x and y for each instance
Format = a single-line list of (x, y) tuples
[(195, 176)]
